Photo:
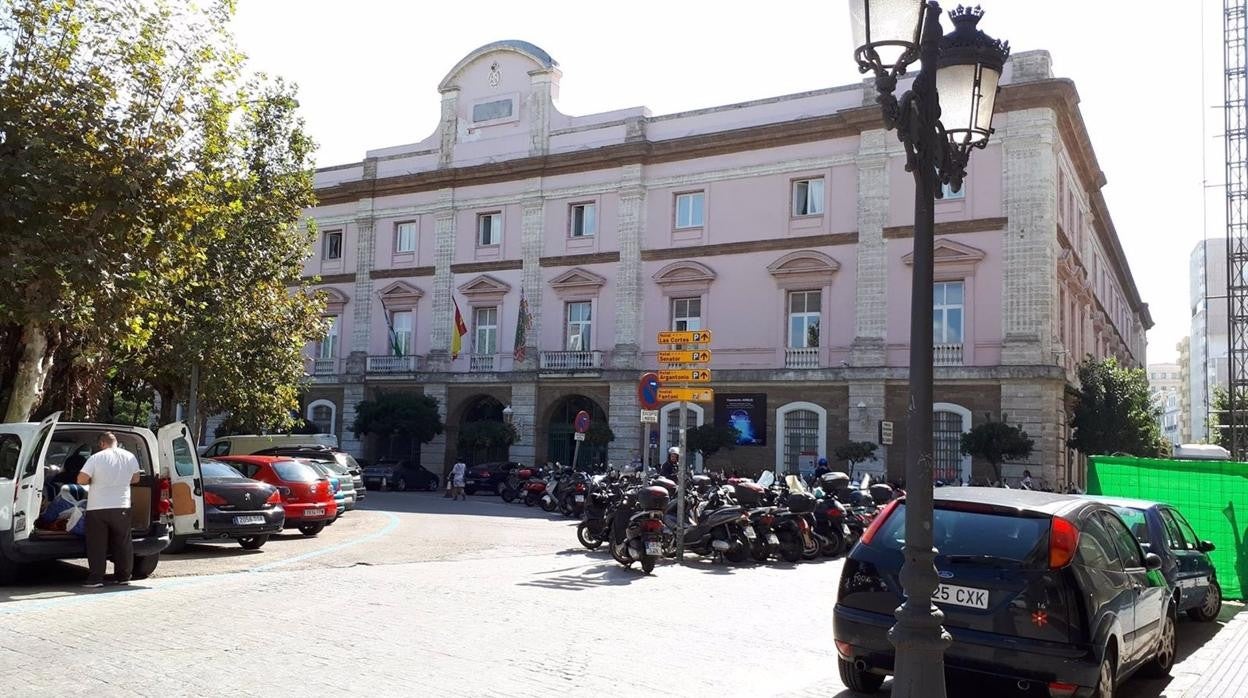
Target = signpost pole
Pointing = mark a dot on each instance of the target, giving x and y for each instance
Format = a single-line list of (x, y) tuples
[(680, 486)]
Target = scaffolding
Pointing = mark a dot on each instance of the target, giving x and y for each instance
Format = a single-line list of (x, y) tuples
[(1235, 47)]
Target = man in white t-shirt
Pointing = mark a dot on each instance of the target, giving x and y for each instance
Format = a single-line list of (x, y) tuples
[(109, 472)]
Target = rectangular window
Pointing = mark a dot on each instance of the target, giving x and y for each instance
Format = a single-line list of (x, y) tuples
[(686, 314), (328, 348), (489, 229), (947, 192), (489, 111), (485, 324), (808, 197), (401, 331), (332, 245), (405, 237), (804, 315), (584, 220), (690, 209), (580, 325), (947, 316)]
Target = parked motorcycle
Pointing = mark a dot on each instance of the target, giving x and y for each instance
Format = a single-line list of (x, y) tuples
[(637, 527), (716, 528), (602, 498)]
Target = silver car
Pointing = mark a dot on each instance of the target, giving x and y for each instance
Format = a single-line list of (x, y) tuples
[(346, 483)]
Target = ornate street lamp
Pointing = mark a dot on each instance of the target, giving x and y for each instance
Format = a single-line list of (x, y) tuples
[(946, 113)]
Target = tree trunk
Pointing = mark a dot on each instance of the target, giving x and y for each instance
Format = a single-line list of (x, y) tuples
[(168, 408), (996, 471), (32, 371)]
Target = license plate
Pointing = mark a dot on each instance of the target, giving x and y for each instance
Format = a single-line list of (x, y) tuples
[(580, 498), (653, 548), (749, 533), (772, 539), (248, 520), (961, 596), (313, 512)]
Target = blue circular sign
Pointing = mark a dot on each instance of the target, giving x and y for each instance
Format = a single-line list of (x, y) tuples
[(648, 391), (582, 422)]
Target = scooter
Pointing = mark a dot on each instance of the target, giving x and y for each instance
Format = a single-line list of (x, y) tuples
[(716, 529), (637, 528)]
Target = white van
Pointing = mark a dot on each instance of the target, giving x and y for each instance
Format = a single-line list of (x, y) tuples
[(247, 444), (168, 497)]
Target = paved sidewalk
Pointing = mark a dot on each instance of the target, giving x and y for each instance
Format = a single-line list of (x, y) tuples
[(1220, 667)]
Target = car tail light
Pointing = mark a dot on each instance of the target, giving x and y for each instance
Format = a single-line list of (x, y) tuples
[(275, 498), (767, 519), (1063, 542), (844, 649), (580, 488), (879, 520), (1061, 689), (651, 525), (213, 499), (166, 496)]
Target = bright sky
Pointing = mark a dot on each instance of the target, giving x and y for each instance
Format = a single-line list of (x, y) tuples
[(368, 72)]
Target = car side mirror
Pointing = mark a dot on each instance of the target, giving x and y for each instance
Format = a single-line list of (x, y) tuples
[(1205, 546), (1152, 561), (1146, 546)]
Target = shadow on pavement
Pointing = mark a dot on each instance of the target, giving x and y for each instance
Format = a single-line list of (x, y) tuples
[(205, 551), (434, 503), (1192, 635), (601, 575)]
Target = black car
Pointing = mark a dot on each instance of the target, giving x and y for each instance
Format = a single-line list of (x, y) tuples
[(1047, 591), (1162, 529), (390, 473), (488, 477), (247, 510), (322, 452)]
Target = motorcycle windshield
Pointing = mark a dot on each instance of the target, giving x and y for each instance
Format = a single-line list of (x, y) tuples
[(795, 484), (767, 479)]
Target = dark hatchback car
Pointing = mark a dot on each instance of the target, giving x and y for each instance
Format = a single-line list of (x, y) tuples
[(402, 475), (1162, 529), (249, 511), (1048, 591), (488, 477), (322, 452)]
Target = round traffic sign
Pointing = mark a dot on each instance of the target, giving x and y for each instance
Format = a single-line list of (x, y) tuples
[(582, 422), (648, 391)]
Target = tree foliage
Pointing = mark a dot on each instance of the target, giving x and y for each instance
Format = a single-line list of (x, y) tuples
[(997, 442), (486, 435), (406, 414), (1113, 412), (148, 221), (855, 452), (709, 439), (1220, 417)]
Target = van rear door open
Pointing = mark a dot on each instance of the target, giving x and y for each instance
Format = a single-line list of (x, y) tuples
[(180, 463), (28, 494)]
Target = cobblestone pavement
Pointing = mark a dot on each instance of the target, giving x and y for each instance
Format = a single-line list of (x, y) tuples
[(418, 595)]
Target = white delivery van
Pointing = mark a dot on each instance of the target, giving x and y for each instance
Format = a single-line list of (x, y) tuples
[(167, 499), (247, 444)]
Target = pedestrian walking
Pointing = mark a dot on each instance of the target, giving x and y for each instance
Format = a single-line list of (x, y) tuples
[(109, 473), (457, 480)]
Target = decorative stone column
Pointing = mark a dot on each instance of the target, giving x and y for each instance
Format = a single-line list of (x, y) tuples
[(863, 422), (448, 127), (443, 312), (1036, 406), (524, 418), (531, 230), (1029, 257), (623, 416), (433, 455), (628, 288), (871, 299), (352, 395)]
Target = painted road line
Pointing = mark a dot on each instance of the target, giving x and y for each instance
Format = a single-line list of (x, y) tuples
[(88, 597)]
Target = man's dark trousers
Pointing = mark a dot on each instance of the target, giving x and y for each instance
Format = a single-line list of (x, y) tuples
[(108, 530)]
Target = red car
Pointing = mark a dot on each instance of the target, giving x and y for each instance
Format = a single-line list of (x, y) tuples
[(307, 496)]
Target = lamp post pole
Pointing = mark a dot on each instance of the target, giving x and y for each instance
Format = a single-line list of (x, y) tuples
[(969, 64)]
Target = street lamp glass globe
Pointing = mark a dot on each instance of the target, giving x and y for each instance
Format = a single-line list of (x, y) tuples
[(967, 78), (886, 33)]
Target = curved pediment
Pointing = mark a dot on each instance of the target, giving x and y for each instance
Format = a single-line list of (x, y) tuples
[(804, 267), (684, 272), (335, 300)]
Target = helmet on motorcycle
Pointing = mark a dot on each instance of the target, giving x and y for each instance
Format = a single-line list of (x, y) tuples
[(674, 449), (823, 461)]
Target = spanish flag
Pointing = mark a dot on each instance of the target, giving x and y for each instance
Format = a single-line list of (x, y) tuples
[(457, 331)]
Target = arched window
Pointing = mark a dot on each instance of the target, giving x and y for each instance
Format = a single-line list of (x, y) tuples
[(801, 435), (669, 428), (323, 414), (949, 423)]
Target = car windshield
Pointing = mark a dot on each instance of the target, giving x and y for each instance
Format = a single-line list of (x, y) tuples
[(973, 535), (294, 471), (347, 460), (213, 468), (1134, 519), (327, 466)]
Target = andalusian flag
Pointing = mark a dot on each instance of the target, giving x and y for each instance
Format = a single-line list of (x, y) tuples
[(523, 320), (458, 330)]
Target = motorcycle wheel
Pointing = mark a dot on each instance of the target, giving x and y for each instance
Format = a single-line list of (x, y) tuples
[(508, 495), (586, 536), (647, 563), (619, 557), (549, 505), (759, 551), (740, 551), (529, 501), (810, 551), (790, 548), (835, 545)]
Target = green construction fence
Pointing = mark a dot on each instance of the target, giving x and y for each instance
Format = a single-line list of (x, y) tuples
[(1213, 496)]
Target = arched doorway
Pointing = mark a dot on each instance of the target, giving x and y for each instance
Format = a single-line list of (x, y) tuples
[(561, 445), (480, 410)]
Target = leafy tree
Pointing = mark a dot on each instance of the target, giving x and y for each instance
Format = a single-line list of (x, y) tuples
[(997, 442), (709, 439), (485, 436), (1219, 417), (597, 438), (1113, 412), (412, 416), (855, 452)]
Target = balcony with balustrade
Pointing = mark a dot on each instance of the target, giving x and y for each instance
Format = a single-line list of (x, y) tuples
[(324, 367), (391, 365), (571, 360), (806, 357), (947, 354), (482, 363)]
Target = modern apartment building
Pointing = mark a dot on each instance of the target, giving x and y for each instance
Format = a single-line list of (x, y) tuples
[(783, 225), (1209, 334), (1185, 394)]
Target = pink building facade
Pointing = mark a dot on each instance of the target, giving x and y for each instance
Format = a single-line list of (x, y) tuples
[(783, 225)]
